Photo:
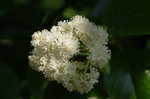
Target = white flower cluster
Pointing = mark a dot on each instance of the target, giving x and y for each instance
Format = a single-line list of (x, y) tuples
[(55, 51)]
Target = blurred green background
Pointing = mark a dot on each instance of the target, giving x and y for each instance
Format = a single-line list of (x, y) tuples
[(128, 24)]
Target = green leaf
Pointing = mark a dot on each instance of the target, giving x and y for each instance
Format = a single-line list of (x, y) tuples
[(69, 12), (119, 85), (143, 85), (9, 86), (118, 82)]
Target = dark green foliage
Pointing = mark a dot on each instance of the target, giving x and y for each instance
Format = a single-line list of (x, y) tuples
[(9, 84), (129, 28)]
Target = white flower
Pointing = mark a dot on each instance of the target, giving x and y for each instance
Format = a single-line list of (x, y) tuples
[(80, 77), (56, 53)]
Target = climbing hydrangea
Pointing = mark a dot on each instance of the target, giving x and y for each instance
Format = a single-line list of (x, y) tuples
[(71, 53)]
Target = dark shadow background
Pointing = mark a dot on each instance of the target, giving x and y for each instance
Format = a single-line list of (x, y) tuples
[(128, 23)]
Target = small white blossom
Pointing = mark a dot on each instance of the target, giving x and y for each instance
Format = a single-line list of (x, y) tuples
[(54, 53)]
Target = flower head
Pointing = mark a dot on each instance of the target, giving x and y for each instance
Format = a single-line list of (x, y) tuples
[(71, 53)]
